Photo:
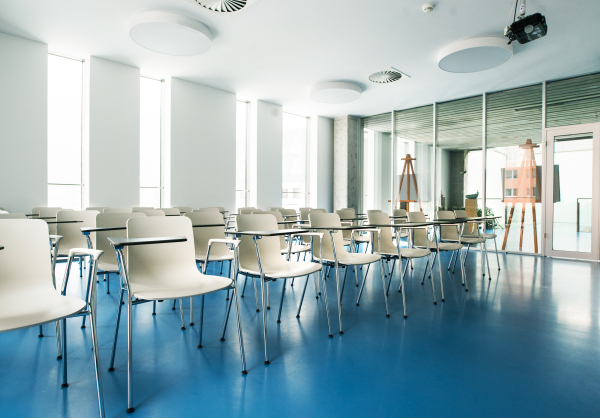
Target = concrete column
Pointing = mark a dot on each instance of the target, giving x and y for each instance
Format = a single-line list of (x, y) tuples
[(346, 169)]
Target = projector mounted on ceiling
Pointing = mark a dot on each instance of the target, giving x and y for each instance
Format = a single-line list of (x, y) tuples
[(525, 28), (225, 7)]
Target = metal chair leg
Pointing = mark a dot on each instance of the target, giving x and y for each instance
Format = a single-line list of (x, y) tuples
[(326, 304), (402, 287), (455, 259), (317, 293), (387, 311), (281, 300), (439, 254), (239, 326), (497, 258), (337, 278), (256, 294), (487, 261), (462, 270), (451, 258), (116, 334), (58, 340), (262, 289), (432, 284), (181, 313), (154, 307), (64, 360), (191, 312), (301, 299), (362, 286), (244, 288), (268, 296), (174, 303), (202, 321), (356, 276), (41, 332), (226, 321), (130, 407), (96, 358), (344, 284)]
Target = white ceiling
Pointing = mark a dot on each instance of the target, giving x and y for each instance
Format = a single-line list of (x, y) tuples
[(277, 49)]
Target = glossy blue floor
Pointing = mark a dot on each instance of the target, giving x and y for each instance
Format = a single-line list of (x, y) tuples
[(526, 343)]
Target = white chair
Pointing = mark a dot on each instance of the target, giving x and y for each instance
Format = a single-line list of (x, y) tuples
[(151, 212), (139, 208), (98, 208), (261, 258), (108, 264), (467, 233), (28, 295), (202, 235), (349, 213), (69, 227), (288, 214), (335, 254), (49, 215), (212, 209), (246, 211), (118, 210), (285, 250), (468, 240), (159, 268)]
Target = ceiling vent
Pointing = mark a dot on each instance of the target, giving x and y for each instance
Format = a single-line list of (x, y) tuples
[(387, 76), (225, 7)]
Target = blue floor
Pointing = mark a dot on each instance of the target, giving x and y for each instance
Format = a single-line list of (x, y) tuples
[(526, 343)]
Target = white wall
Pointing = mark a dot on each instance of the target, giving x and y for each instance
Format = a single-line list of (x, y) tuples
[(203, 129), (321, 163), (23, 124), (114, 138), (265, 153)]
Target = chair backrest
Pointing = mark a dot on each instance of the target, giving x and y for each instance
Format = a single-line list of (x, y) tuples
[(114, 220), (36, 210), (171, 211), (71, 233), (25, 260), (461, 213), (151, 212), (206, 210), (221, 209), (117, 210), (246, 211), (157, 262), (256, 211), (269, 247), (202, 235), (288, 212), (50, 213), (273, 208), (279, 217), (328, 220), (468, 229), (304, 209), (377, 217), (419, 237), (137, 209), (184, 209), (12, 216), (449, 233), (399, 212), (347, 213), (98, 208)]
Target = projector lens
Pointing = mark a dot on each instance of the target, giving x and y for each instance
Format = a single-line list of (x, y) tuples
[(528, 29)]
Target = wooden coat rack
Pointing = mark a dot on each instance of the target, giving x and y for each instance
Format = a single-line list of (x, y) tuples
[(527, 181), (408, 168)]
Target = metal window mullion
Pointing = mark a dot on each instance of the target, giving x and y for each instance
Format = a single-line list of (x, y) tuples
[(483, 153)]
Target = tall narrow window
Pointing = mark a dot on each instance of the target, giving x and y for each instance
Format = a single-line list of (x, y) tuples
[(65, 102), (150, 142), (241, 189), (294, 161)]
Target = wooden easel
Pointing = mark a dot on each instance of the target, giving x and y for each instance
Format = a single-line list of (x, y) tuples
[(527, 179), (408, 167)]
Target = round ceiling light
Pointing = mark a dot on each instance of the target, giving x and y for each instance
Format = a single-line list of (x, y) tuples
[(473, 55), (335, 92), (170, 33)]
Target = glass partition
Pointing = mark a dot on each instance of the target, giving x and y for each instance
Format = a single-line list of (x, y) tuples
[(294, 161)]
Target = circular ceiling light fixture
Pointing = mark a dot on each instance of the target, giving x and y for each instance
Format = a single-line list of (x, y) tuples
[(170, 33), (473, 55), (335, 92)]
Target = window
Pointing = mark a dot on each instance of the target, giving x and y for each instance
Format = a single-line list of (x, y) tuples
[(151, 93), (65, 102), (241, 138), (294, 161)]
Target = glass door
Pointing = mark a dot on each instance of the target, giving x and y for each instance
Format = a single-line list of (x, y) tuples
[(572, 191)]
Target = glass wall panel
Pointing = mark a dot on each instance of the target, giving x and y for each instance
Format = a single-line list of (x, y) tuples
[(414, 138), (241, 139), (65, 110), (459, 157), (514, 168), (294, 161), (573, 101), (150, 142), (377, 162)]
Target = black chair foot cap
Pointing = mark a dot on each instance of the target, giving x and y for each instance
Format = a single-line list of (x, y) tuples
[(317, 297), (199, 346), (244, 371), (59, 357), (267, 362), (279, 321), (268, 307), (292, 285), (330, 335), (64, 385), (405, 316), (191, 324), (422, 283), (297, 316), (443, 300), (258, 310), (435, 303), (222, 339), (172, 309), (83, 326), (466, 290), (111, 369), (153, 313), (490, 279), (341, 332), (161, 301), (358, 304), (242, 295), (226, 298), (387, 315), (130, 410), (182, 328), (40, 336)]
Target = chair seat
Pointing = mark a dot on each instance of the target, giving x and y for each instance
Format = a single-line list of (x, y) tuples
[(356, 259), (362, 238), (286, 270), (23, 309), (450, 246), (296, 249), (177, 285), (490, 236), (472, 240), (108, 267), (414, 252), (226, 255)]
